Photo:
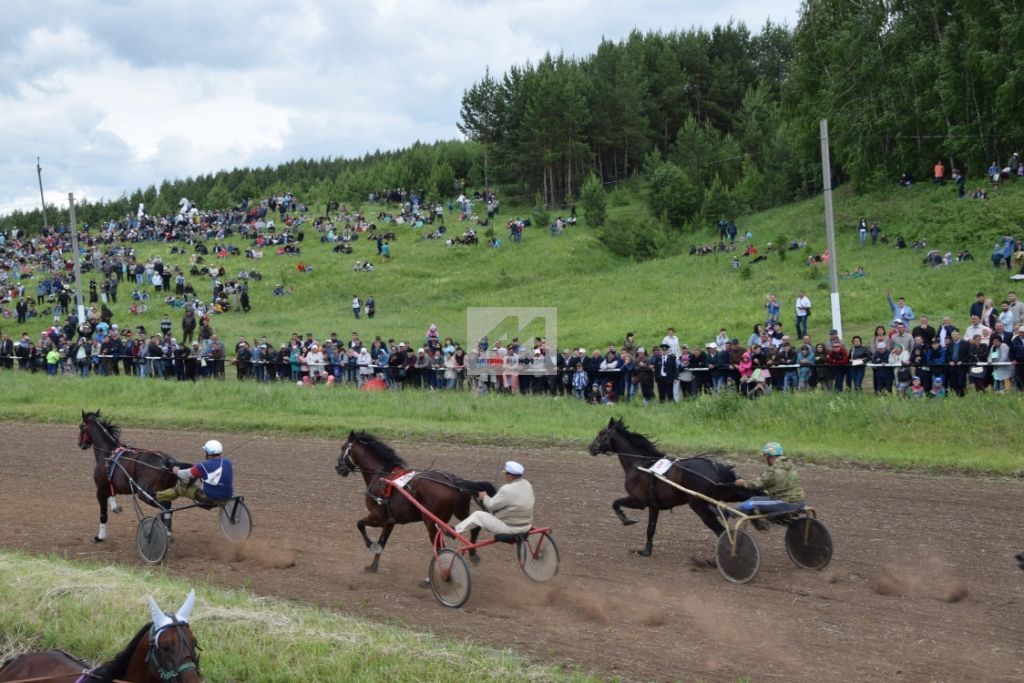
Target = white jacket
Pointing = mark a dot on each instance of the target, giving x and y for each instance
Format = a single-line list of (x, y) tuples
[(513, 504)]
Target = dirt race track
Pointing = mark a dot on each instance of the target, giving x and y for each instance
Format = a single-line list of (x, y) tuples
[(922, 587)]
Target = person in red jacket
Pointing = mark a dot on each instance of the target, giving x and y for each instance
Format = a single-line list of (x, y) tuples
[(839, 361)]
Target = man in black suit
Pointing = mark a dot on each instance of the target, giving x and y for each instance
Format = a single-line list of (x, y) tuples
[(956, 356), (6, 352), (1017, 357), (666, 371)]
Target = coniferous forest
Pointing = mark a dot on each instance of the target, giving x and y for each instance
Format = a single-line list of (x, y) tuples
[(709, 123)]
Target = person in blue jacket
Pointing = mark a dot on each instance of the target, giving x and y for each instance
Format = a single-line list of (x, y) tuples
[(209, 481)]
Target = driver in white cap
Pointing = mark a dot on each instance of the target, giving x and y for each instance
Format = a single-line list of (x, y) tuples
[(209, 481), (509, 511)]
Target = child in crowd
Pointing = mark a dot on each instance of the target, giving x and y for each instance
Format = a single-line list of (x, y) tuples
[(916, 389)]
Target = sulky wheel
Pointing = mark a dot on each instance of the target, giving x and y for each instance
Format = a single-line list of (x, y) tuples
[(449, 578), (809, 544), (538, 558), (739, 565), (235, 520), (152, 539)]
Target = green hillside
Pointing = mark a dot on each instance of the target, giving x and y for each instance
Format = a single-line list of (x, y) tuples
[(601, 297)]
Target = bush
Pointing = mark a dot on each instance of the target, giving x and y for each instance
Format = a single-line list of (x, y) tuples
[(672, 196), (541, 215), (593, 201), (639, 236)]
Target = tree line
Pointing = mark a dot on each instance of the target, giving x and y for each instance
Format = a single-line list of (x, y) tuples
[(711, 123)]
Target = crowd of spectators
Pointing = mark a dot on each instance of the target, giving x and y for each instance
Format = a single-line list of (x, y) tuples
[(907, 356)]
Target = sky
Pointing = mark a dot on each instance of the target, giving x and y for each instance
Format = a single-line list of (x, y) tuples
[(115, 95)]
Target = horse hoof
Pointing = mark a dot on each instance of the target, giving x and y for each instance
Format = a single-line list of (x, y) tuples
[(642, 552), (370, 569), (376, 548), (628, 522), (97, 539), (475, 559)]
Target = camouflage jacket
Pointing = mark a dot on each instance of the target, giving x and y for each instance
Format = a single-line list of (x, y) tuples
[(779, 481)]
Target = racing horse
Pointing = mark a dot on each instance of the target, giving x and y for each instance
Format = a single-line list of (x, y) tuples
[(441, 493), (163, 651), (700, 473), (123, 469)]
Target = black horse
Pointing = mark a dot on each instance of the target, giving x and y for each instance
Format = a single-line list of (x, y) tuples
[(701, 474), (441, 493), (118, 466)]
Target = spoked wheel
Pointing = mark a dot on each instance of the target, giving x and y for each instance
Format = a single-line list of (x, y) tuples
[(809, 544), (152, 538), (738, 565), (449, 578), (538, 558), (235, 520)]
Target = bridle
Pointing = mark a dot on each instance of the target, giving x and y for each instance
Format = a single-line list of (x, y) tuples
[(189, 664), (346, 461)]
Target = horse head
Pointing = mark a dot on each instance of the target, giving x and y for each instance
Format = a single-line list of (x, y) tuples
[(605, 440), (363, 452), (346, 465), (172, 649), (94, 428), (84, 438)]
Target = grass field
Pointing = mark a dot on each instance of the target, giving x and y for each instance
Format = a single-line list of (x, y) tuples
[(601, 297), (44, 603), (968, 435)]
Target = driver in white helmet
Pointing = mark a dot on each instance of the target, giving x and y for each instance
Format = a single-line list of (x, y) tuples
[(209, 481)]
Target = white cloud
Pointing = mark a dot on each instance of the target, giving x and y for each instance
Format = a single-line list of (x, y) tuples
[(121, 94)]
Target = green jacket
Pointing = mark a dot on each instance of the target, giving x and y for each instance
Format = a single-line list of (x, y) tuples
[(779, 481)]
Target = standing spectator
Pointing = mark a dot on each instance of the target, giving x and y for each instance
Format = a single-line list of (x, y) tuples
[(188, 326), (882, 377), (977, 357), (998, 354), (838, 359), (899, 308), (900, 361), (939, 173), (666, 372), (672, 341), (860, 355), (901, 336), (356, 305), (371, 307), (771, 306), (979, 304), (803, 310), (924, 330), (1016, 307), (956, 358)]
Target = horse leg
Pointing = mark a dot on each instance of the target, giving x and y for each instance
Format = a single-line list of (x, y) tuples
[(378, 548), (114, 507), (630, 503), (473, 535), (432, 531), (652, 525), (708, 516), (101, 497)]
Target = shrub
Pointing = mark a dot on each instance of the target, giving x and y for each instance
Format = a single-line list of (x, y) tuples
[(593, 201)]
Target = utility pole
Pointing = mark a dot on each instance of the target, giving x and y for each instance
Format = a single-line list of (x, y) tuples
[(42, 200), (79, 301), (830, 231)]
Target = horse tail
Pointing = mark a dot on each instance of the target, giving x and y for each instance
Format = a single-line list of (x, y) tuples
[(475, 486)]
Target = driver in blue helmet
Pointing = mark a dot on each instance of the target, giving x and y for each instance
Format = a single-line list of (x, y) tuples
[(209, 481), (779, 480)]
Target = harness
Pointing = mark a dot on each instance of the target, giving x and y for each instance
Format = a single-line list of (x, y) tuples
[(113, 461)]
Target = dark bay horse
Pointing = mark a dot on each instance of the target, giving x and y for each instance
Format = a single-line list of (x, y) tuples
[(443, 494), (118, 465), (699, 474), (163, 651)]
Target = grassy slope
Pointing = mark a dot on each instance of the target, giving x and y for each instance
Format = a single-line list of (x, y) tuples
[(44, 602), (599, 298)]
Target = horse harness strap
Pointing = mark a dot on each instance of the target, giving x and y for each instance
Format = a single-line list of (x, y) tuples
[(169, 674), (114, 460)]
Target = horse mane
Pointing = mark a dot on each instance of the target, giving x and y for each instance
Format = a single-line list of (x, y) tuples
[(117, 667), (643, 444), (108, 425), (380, 449)]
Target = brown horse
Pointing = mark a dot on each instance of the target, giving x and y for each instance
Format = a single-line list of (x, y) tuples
[(123, 469), (167, 655), (439, 492), (701, 474)]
